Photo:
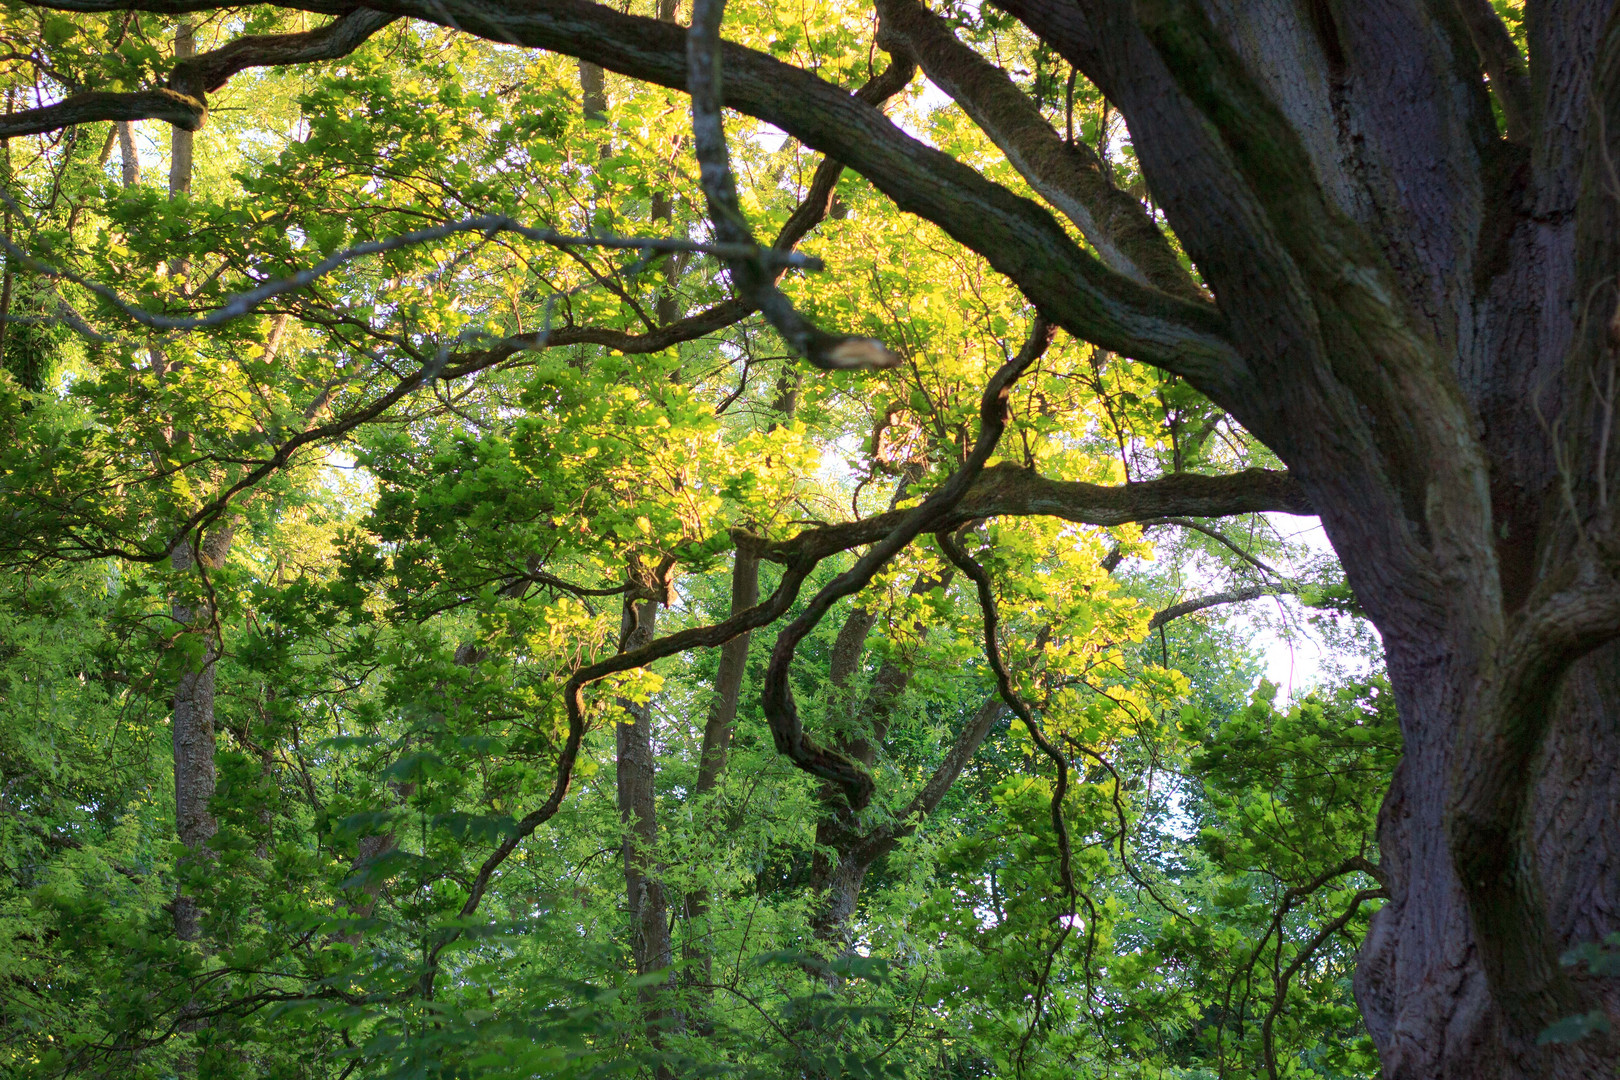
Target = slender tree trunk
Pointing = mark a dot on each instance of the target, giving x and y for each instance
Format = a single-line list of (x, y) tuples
[(192, 723), (728, 678), (129, 159), (180, 143), (696, 948), (651, 944), (192, 732), (6, 284)]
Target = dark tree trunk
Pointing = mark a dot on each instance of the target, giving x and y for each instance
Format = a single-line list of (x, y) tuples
[(1405, 289), (716, 747), (638, 814)]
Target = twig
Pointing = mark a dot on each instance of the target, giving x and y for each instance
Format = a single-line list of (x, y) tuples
[(487, 224)]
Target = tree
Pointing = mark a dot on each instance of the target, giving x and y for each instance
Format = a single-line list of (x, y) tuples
[(1400, 277)]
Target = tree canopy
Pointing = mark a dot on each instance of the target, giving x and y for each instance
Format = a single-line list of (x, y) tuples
[(557, 540)]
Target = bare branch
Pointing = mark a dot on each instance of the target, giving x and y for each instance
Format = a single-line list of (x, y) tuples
[(1015, 702), (749, 274), (780, 710), (1220, 538), (488, 224), (1231, 596)]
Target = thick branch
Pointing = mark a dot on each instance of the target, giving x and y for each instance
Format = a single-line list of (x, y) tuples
[(1502, 62), (1070, 176), (1006, 490), (183, 103), (186, 113), (184, 7), (1231, 596), (1019, 237), (207, 72)]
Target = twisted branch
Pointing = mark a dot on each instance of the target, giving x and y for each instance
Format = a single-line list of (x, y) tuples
[(1015, 702), (780, 710)]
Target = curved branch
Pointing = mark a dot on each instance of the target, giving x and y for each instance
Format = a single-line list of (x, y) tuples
[(1353, 864), (781, 712), (1010, 695), (488, 224), (183, 102), (185, 7), (1306, 951), (1231, 596), (207, 72), (1018, 237), (749, 275)]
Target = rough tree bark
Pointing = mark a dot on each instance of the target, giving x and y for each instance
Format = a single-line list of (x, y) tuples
[(1410, 288)]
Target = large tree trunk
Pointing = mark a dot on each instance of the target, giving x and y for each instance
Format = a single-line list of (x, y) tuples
[(1420, 308), (1421, 979)]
